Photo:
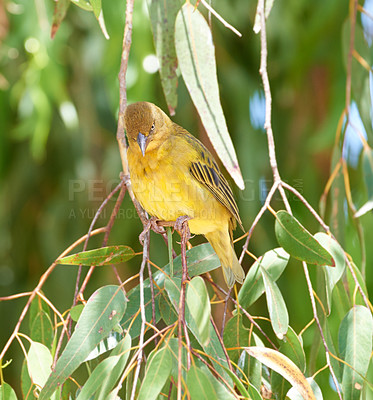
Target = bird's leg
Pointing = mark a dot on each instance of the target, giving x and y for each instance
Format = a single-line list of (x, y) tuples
[(151, 223), (181, 225)]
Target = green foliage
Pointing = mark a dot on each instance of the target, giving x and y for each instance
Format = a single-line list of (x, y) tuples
[(58, 106)]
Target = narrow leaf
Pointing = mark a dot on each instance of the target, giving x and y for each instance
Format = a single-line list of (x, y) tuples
[(274, 262), (199, 385), (101, 314), (83, 4), (355, 346), (162, 17), (60, 9), (298, 242), (196, 56), (278, 312), (96, 6), (105, 375), (235, 336), (332, 275), (157, 372), (283, 365), (213, 347), (102, 256), (368, 171), (199, 306)]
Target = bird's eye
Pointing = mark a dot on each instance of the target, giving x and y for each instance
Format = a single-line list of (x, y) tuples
[(153, 127)]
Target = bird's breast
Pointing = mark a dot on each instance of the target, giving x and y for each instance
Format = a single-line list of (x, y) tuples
[(167, 190)]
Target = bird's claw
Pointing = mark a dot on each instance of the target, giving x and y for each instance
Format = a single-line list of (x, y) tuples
[(150, 224), (181, 225)]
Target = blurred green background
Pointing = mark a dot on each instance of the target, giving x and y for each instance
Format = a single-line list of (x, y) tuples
[(58, 152)]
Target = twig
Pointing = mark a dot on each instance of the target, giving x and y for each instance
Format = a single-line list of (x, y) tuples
[(307, 204), (152, 294), (243, 310), (257, 218), (185, 235), (313, 303), (145, 257), (221, 19), (42, 280), (115, 211), (98, 213)]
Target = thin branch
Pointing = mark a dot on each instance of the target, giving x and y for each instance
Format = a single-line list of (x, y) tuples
[(145, 257), (313, 303), (251, 319), (257, 218), (185, 235), (221, 19), (42, 280)]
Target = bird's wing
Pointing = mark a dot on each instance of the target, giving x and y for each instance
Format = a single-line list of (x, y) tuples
[(206, 171)]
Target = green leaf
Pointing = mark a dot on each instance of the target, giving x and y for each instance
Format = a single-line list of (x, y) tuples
[(278, 312), (84, 4), (26, 384), (298, 242), (42, 329), (106, 374), (220, 389), (162, 16), (235, 335), (368, 171), (157, 372), (7, 392), (352, 285), (41, 326), (199, 306), (60, 9), (202, 385), (101, 314), (274, 262), (241, 387), (76, 311), (109, 343), (199, 385), (132, 315), (196, 56), (102, 256), (355, 347), (332, 275), (39, 362), (368, 179), (96, 6), (213, 347)]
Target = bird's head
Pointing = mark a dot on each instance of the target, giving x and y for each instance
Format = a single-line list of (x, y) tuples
[(147, 126)]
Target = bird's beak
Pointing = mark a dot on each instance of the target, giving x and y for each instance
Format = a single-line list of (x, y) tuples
[(142, 141)]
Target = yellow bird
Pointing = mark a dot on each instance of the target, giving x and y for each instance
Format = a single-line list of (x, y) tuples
[(174, 175)]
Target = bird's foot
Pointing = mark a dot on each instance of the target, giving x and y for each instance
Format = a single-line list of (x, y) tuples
[(181, 225), (151, 224)]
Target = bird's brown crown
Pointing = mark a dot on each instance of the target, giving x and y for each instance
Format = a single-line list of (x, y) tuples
[(143, 117)]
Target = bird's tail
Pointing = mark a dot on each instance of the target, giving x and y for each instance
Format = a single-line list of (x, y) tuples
[(221, 243)]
